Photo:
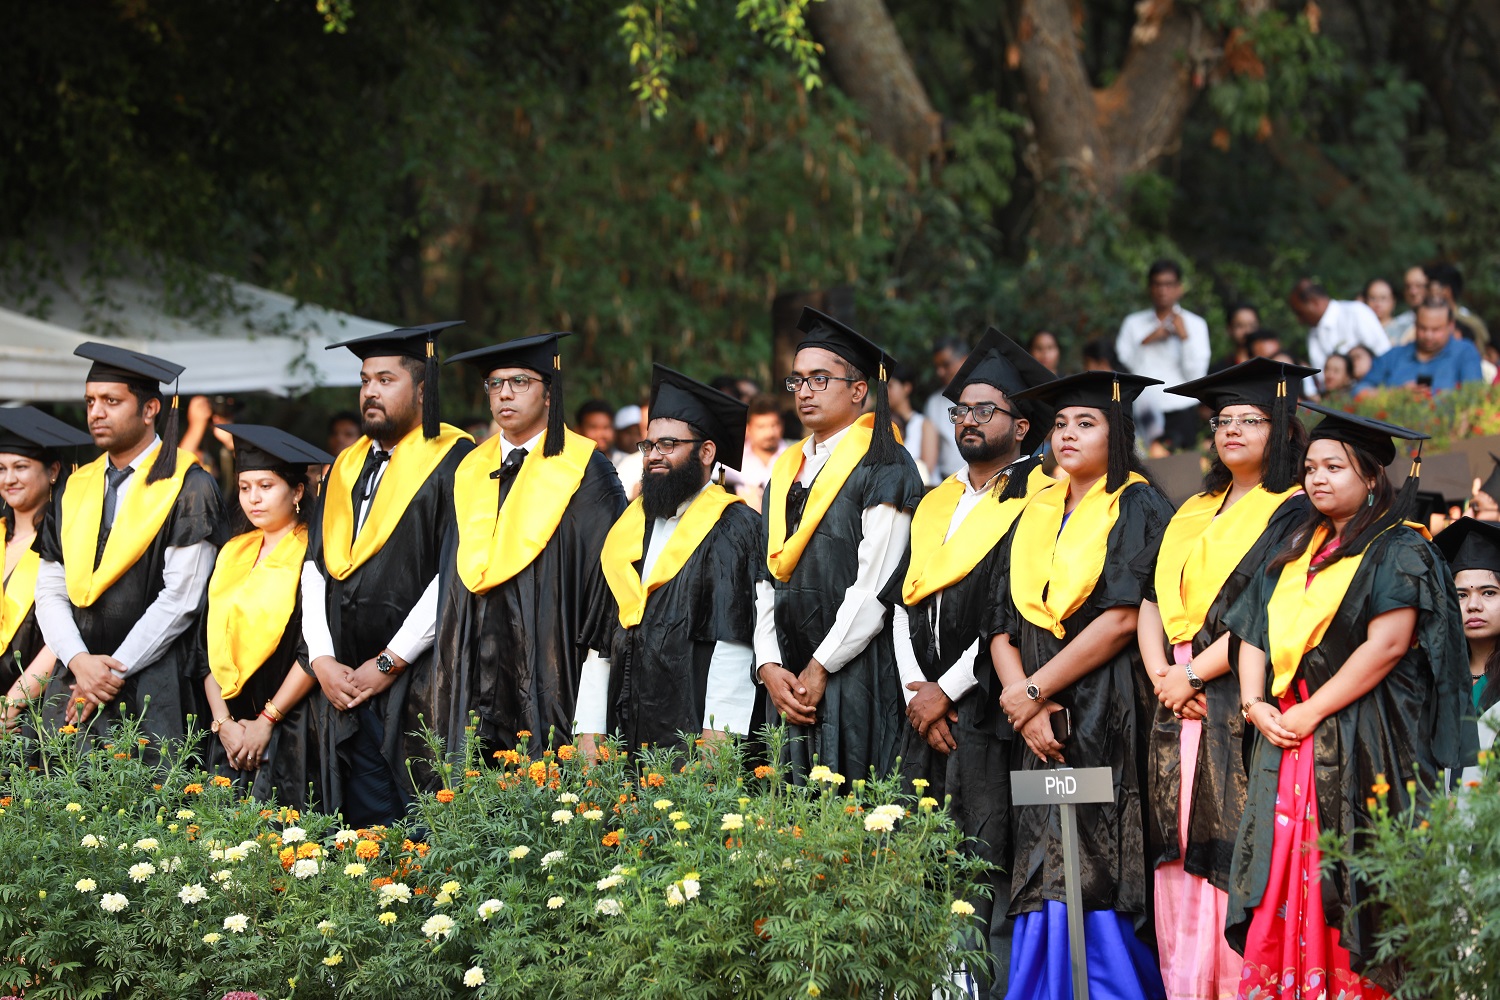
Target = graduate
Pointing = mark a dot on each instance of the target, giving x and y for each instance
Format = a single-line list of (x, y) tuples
[(369, 585), (527, 615), (682, 563), (251, 646), (956, 738), (126, 556), (1214, 546), (1351, 671), (31, 470), (837, 512), (1080, 559), (1472, 548)]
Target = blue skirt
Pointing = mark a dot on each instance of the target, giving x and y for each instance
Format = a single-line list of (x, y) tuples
[(1120, 966)]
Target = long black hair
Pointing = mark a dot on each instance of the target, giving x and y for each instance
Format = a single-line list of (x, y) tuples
[(1369, 521), (293, 476), (1280, 469)]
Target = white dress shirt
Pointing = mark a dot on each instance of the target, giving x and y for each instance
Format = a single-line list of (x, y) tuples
[(884, 534), (1345, 324), (949, 460), (185, 573), (1171, 359)]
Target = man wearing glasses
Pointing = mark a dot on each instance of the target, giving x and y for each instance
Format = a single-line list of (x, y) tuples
[(526, 622), (837, 515), (957, 739)]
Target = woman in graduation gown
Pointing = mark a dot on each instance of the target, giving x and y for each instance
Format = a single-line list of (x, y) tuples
[(253, 647), (30, 470), (1472, 548), (1351, 672), (1252, 499), (1063, 641)]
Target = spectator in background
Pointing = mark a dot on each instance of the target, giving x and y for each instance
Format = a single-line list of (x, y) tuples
[(764, 443), (1169, 343), (1335, 327), (628, 423), (1099, 356), (948, 356), (1240, 322), (1043, 346), (1263, 344), (1338, 378), (1415, 292), (1435, 360), (595, 420), (1381, 298), (741, 388), (343, 430), (1360, 360), (918, 434), (1446, 282)]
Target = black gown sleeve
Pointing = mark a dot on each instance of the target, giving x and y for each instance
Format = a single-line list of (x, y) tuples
[(1132, 546)]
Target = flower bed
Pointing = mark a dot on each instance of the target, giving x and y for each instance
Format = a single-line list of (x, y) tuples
[(637, 877)]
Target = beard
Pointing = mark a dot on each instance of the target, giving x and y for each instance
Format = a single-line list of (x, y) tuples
[(981, 449), (388, 424), (663, 492)]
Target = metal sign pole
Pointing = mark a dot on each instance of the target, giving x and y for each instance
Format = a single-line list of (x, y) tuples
[(1074, 894)]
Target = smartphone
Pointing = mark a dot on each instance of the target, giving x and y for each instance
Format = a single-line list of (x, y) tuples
[(1062, 726), (1425, 381)]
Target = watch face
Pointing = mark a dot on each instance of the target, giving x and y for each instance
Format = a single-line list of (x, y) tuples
[(1196, 683), (1033, 692)]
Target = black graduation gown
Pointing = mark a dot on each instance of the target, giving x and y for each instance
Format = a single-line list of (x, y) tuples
[(658, 681), (1219, 787), (861, 715), (365, 610), (515, 654), (170, 681), (1410, 720), (1110, 709)]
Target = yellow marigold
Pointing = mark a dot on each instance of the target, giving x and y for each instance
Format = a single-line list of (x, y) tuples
[(222, 781), (537, 773), (611, 839), (193, 789), (123, 756), (68, 730), (471, 774), (445, 795), (366, 850)]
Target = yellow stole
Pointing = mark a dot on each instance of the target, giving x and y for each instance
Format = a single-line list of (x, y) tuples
[(17, 595), (249, 605), (937, 564), (1052, 574), (495, 546), (1200, 550), (138, 520), (782, 553), (623, 547), (1299, 612), (412, 461)]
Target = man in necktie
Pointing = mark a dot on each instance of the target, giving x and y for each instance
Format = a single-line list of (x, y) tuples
[(526, 614), (370, 583), (823, 642), (126, 557), (681, 652)]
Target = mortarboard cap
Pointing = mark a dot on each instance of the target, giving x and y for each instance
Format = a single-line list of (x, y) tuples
[(418, 343), (826, 333), (25, 430), (1257, 382), (719, 416), (1095, 389), (1470, 544), (542, 354), (1001, 362), (1371, 435), (145, 372), (1492, 484), (260, 447)]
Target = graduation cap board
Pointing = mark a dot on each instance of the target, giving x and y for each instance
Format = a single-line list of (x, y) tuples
[(1371, 435), (1492, 484), (1470, 544), (719, 416), (1093, 389), (1004, 364), (25, 430), (823, 332), (540, 353), (260, 447), (144, 373), (416, 342)]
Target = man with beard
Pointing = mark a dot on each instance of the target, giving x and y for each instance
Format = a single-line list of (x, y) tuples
[(126, 557), (958, 740), (526, 618), (682, 562), (369, 586), (837, 511)]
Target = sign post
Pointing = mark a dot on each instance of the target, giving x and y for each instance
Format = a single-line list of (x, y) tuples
[(1067, 788)]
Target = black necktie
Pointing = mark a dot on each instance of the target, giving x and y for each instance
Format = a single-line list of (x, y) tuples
[(507, 472), (114, 477), (796, 502), (364, 486)]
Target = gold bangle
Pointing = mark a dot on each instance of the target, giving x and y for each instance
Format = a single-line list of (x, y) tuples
[(271, 710)]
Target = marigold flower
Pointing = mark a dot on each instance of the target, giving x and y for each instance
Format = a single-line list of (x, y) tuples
[(192, 894), (567, 798), (345, 836), (394, 892), (367, 850), (120, 755), (113, 902), (489, 908), (552, 857), (920, 784), (333, 959), (674, 895), (611, 839), (608, 882), (732, 821), (567, 751), (141, 872), (471, 774), (765, 771), (555, 902), (293, 834), (813, 991), (880, 823), (85, 885), (68, 730), (72, 807), (523, 734), (674, 816), (387, 918), (438, 926), (445, 795), (354, 869), (593, 815), (222, 781), (682, 824), (662, 804), (654, 780), (192, 789), (608, 907), (306, 868), (517, 853), (90, 841), (474, 977), (961, 908), (309, 850), (288, 855), (563, 816), (212, 937), (185, 814), (236, 923)]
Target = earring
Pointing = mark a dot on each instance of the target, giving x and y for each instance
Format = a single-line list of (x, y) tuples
[(1370, 498), (297, 506)]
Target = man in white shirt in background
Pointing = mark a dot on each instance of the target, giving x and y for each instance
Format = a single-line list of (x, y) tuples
[(1333, 326), (1403, 327), (763, 446), (947, 357), (1169, 343)]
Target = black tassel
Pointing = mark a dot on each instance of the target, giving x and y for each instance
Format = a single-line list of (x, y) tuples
[(1012, 485), (431, 419), (1405, 503), (884, 450), (556, 432), (166, 457), (1121, 443), (1279, 471)]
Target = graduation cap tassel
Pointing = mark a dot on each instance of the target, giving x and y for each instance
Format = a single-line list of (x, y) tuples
[(1279, 473), (1406, 498), (166, 456), (1121, 441), (883, 447), (556, 432), (431, 419)]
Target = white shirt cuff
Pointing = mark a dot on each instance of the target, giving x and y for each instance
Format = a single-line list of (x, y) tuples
[(591, 714), (185, 573), (959, 679), (315, 631), (731, 692), (54, 613), (417, 632), (767, 647)]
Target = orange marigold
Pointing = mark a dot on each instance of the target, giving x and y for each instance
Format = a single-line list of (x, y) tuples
[(445, 795), (654, 780), (222, 781), (5, 802), (308, 850), (288, 855), (367, 850), (471, 774), (193, 789), (611, 839), (765, 771), (422, 849), (523, 734), (376, 883), (122, 756), (566, 752), (68, 730), (537, 772)]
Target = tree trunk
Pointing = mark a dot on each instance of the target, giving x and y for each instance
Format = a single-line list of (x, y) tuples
[(869, 62)]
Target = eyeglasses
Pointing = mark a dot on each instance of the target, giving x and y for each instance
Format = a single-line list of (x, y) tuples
[(818, 382), (981, 413), (518, 384), (664, 445), (1248, 423)]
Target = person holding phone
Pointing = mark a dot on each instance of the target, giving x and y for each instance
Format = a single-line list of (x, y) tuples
[(1063, 644), (1435, 361), (1252, 499)]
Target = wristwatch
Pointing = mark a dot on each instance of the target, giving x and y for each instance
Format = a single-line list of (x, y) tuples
[(1247, 705), (385, 663), (1194, 681), (218, 724), (1033, 692)]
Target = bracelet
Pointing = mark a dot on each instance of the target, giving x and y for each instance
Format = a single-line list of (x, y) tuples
[(1248, 704), (271, 712), (267, 717)]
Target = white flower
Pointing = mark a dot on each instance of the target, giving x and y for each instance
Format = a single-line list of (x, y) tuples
[(326, 927), (567, 798), (732, 821), (354, 869), (439, 925), (237, 853), (73, 807), (217, 854), (474, 977), (293, 834), (594, 815), (609, 882), (822, 773), (190, 894), (690, 887), (394, 892), (555, 903), (236, 923), (306, 868), (346, 837), (146, 844), (517, 853), (552, 857), (221, 876), (185, 814), (141, 872), (90, 841), (880, 822), (563, 816), (85, 885), (674, 895), (212, 937), (171, 864), (962, 908), (249, 846), (113, 902), (489, 908), (608, 907), (891, 810)]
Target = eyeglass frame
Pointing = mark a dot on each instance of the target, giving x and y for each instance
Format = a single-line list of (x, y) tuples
[(956, 418), (1248, 421), (807, 380), (645, 446), (519, 388)]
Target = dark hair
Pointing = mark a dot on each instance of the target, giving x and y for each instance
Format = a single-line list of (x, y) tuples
[(592, 406), (1307, 290), (902, 373), (1365, 292), (728, 384), (1448, 276), (1163, 266), (1218, 478), (342, 417), (955, 344), (1239, 307), (1031, 340), (1350, 355), (1491, 667), (293, 476), (1361, 529), (8, 513), (1437, 302), (763, 404), (1123, 456), (1102, 350), (1260, 335)]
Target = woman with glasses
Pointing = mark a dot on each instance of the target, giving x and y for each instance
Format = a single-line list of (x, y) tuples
[(1214, 545), (1063, 646)]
